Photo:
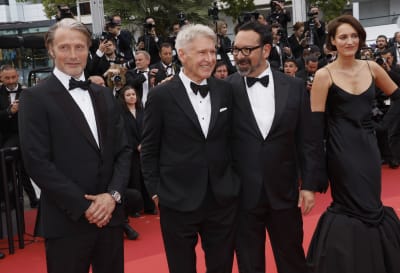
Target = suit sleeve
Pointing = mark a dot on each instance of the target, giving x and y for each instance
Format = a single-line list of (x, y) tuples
[(311, 147), (151, 143), (122, 153), (35, 141)]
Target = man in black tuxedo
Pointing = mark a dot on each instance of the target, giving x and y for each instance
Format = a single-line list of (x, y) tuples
[(165, 67), (10, 92), (142, 77), (271, 115), (75, 148), (186, 157)]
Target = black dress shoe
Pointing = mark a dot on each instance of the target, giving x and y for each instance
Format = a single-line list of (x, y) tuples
[(151, 212), (393, 164), (130, 232), (2, 255)]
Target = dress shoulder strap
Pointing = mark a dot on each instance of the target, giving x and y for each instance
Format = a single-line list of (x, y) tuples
[(329, 72), (370, 71)]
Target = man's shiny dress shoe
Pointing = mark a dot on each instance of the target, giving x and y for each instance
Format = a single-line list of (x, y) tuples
[(2, 255), (130, 232)]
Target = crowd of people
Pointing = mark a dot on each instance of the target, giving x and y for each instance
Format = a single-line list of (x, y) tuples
[(223, 150)]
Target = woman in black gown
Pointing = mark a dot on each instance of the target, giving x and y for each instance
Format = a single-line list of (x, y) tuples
[(357, 234)]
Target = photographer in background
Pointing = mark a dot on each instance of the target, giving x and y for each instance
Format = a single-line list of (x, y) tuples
[(142, 77), (63, 11), (297, 41), (105, 56), (123, 38), (314, 28), (150, 41), (311, 66), (280, 50), (165, 67), (279, 15), (387, 139)]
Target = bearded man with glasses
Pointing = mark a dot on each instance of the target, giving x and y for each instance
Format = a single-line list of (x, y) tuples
[(271, 132)]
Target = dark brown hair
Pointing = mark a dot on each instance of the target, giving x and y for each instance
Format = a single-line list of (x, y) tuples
[(337, 22)]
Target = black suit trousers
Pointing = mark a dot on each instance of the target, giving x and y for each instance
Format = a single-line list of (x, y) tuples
[(285, 230), (216, 227), (103, 249)]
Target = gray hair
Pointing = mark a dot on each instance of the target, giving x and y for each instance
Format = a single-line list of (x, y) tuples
[(144, 53), (189, 32), (67, 23)]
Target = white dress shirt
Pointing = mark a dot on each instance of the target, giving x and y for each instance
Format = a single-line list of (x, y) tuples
[(82, 99), (145, 87), (262, 101), (12, 95), (202, 106)]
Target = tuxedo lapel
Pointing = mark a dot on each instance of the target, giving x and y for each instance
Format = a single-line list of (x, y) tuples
[(243, 102), (281, 92), (215, 98), (178, 91), (72, 111), (100, 112)]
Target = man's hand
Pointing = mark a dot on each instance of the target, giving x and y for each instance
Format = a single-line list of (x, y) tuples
[(155, 200), (306, 201), (101, 209)]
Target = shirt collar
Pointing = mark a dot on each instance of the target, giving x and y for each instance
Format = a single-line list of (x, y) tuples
[(64, 78)]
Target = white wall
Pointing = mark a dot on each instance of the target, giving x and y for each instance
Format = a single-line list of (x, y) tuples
[(32, 12)]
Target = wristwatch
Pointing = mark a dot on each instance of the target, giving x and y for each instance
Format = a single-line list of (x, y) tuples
[(116, 196)]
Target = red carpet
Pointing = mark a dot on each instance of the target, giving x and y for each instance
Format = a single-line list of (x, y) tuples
[(146, 255)]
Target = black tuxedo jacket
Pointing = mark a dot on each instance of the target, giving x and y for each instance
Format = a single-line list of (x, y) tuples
[(162, 72), (8, 121), (133, 127), (273, 163), (136, 79), (63, 158), (179, 163)]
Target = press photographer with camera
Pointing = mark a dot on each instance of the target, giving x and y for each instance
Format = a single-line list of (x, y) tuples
[(150, 41), (314, 28), (123, 38), (106, 55), (63, 11), (311, 66), (279, 15)]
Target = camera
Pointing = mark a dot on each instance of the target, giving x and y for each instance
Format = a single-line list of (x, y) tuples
[(181, 18), (312, 14), (380, 60), (106, 36), (63, 12), (310, 79), (213, 11), (116, 78), (275, 6)]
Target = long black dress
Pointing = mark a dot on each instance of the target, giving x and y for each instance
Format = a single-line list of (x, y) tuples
[(357, 234)]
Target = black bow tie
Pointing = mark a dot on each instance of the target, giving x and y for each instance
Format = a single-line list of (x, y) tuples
[(12, 91), (141, 72), (203, 89), (263, 80), (78, 84)]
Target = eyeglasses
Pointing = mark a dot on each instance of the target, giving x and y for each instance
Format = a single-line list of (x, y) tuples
[(246, 51)]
